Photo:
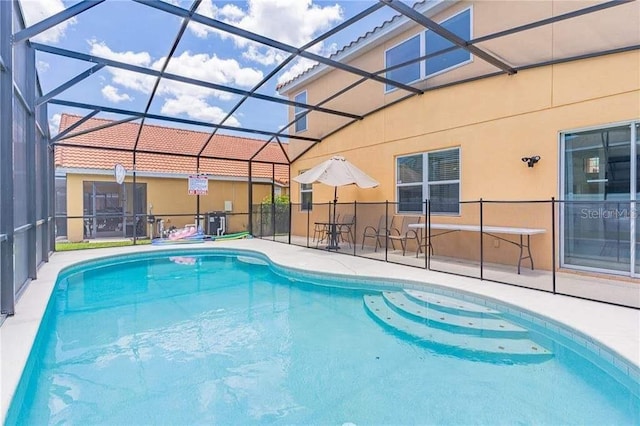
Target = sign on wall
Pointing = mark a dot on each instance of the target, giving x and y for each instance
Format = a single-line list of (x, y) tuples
[(198, 185)]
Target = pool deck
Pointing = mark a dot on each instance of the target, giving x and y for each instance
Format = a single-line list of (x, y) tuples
[(616, 327)]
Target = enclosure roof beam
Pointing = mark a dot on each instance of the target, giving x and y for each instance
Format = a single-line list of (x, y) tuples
[(75, 125), (54, 20), (65, 86), (96, 128), (175, 119), (443, 32), (255, 154), (182, 79), (273, 43), (583, 56), (284, 63), (283, 150), (172, 50), (493, 74)]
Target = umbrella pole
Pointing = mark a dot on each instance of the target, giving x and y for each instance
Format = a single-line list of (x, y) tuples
[(333, 245)]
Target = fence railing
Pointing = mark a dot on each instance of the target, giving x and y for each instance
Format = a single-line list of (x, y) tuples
[(549, 245), (557, 246)]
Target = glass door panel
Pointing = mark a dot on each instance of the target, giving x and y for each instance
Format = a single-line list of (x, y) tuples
[(597, 188), (136, 214), (108, 198)]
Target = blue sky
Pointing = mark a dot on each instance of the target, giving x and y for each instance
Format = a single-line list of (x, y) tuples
[(141, 35)]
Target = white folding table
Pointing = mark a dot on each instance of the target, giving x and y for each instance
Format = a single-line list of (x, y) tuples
[(523, 243)]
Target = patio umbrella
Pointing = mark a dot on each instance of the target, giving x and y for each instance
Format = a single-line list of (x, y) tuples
[(336, 171)]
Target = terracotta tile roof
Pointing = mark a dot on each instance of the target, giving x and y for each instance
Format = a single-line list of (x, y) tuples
[(155, 138), (352, 45)]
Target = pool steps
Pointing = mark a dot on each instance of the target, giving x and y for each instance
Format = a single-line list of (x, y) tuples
[(484, 339), (450, 304), (454, 322)]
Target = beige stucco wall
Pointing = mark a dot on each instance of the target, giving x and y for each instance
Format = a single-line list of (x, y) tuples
[(613, 27), (495, 122), (170, 199)]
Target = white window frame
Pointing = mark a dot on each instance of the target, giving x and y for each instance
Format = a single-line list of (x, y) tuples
[(423, 68), (303, 111), (305, 188), (421, 63), (426, 184)]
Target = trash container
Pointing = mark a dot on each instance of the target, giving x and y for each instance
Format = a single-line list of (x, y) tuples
[(216, 223)]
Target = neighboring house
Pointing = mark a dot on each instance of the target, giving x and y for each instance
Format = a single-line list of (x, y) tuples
[(464, 138), (97, 206)]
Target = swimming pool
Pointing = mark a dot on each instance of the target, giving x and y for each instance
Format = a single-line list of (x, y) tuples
[(187, 337)]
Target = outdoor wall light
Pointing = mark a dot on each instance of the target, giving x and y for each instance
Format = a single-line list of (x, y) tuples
[(531, 160)]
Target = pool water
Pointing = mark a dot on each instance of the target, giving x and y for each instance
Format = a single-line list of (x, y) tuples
[(211, 339)]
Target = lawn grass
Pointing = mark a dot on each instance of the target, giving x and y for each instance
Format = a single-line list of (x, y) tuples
[(64, 246)]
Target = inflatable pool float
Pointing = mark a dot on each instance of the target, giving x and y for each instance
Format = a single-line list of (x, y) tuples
[(235, 236), (200, 238), (167, 241)]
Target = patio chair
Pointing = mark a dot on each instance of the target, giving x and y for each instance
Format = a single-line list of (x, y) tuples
[(405, 234), (381, 231), (345, 228)]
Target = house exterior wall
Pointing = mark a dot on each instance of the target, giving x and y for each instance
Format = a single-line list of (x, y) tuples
[(543, 43), (495, 121), (171, 201)]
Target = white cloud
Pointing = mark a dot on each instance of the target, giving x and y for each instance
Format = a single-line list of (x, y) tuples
[(133, 58), (112, 94), (42, 66), (211, 68), (208, 9), (37, 10), (127, 79), (196, 108), (264, 56), (231, 11), (54, 124), (294, 22), (199, 66)]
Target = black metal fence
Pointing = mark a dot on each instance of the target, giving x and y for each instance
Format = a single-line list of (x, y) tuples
[(140, 226), (574, 248)]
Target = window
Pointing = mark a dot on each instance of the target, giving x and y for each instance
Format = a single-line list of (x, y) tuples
[(428, 43), (460, 25), (434, 176), (403, 52), (410, 178), (301, 124), (306, 195)]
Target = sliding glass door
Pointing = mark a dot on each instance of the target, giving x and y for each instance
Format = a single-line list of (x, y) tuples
[(600, 170), (110, 212)]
